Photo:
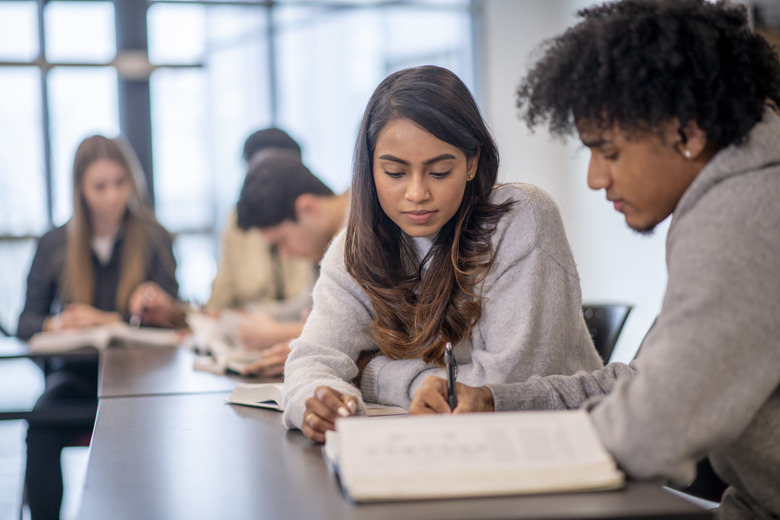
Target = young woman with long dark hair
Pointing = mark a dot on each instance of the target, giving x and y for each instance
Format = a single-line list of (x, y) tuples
[(434, 252)]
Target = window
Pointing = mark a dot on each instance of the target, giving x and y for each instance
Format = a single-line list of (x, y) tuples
[(52, 106), (218, 73)]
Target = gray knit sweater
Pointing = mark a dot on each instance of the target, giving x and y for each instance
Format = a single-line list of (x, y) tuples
[(531, 319), (707, 379)]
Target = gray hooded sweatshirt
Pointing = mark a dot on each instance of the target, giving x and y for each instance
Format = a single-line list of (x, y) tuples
[(706, 380)]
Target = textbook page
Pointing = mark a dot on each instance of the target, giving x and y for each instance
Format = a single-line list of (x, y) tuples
[(476, 454), (269, 395), (100, 337), (261, 395), (216, 343)]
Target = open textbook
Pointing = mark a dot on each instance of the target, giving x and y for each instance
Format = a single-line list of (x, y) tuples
[(216, 340), (101, 336), (269, 395), (466, 455)]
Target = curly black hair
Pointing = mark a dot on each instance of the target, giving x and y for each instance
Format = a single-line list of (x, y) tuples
[(640, 63)]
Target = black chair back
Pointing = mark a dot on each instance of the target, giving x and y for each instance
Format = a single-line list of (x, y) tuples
[(605, 321)]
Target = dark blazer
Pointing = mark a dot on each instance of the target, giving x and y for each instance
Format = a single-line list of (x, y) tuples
[(44, 281)]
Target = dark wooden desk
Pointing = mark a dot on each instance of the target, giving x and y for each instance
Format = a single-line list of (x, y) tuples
[(17, 403), (193, 457), (129, 371)]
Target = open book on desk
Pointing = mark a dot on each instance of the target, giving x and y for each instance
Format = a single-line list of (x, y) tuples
[(468, 455), (53, 342), (217, 345), (269, 395)]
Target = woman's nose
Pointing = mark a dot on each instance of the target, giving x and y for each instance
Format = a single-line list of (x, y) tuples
[(417, 189)]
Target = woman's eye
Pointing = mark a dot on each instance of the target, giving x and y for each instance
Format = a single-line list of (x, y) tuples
[(440, 175), (394, 175)]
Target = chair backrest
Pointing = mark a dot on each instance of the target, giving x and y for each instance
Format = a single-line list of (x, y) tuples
[(605, 321)]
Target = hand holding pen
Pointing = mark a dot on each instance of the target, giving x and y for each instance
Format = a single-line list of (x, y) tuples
[(148, 296), (151, 305), (438, 395)]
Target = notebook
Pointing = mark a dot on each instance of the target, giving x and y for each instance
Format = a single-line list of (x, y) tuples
[(52, 342), (269, 395), (469, 455)]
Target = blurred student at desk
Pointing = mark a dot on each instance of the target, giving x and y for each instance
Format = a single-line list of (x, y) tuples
[(251, 271), (109, 262), (299, 215), (433, 252), (671, 99)]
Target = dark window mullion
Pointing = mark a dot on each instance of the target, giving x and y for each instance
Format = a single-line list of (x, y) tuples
[(135, 112), (45, 119)]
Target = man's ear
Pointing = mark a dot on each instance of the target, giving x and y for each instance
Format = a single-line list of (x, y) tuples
[(306, 206), (690, 140)]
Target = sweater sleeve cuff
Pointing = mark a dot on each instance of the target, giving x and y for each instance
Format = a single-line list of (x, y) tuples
[(530, 395), (368, 381)]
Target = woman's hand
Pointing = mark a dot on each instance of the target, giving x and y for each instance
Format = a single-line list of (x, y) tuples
[(79, 316), (322, 410), (272, 362), (431, 397), (153, 306)]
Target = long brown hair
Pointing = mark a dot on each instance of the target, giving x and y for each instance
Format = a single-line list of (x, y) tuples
[(78, 282), (416, 311)]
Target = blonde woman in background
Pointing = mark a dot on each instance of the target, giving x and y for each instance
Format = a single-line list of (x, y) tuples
[(110, 261)]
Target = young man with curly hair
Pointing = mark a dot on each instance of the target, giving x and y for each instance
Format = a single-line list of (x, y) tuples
[(671, 96)]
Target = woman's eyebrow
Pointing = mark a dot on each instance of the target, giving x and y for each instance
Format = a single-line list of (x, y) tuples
[(393, 158)]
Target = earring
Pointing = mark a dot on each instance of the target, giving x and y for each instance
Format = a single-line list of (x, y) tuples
[(687, 154)]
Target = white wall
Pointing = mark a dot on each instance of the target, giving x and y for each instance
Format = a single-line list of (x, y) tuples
[(615, 264)]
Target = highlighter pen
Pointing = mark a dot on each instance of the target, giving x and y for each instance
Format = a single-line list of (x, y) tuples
[(452, 373)]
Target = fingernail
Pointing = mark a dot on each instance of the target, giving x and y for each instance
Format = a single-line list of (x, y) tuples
[(343, 412), (352, 406)]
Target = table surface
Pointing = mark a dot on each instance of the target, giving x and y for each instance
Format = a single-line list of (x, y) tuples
[(17, 403), (137, 370), (192, 456)]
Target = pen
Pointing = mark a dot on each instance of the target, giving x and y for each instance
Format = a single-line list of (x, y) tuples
[(452, 373), (135, 319)]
